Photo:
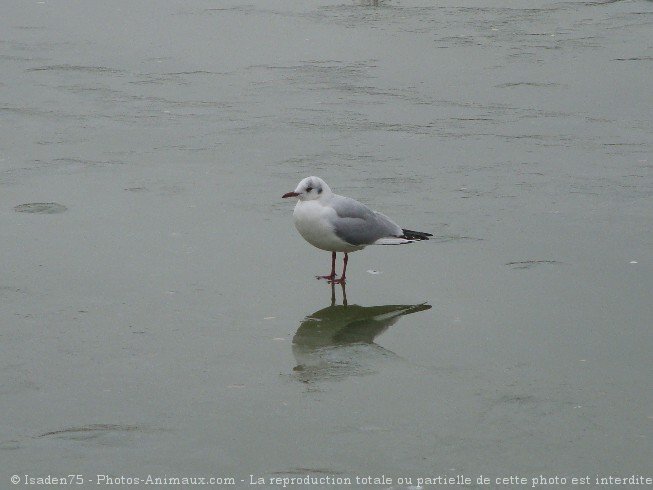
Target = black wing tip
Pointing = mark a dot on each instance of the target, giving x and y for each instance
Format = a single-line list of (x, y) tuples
[(415, 235)]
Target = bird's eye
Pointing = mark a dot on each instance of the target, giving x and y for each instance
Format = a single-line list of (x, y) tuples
[(309, 189)]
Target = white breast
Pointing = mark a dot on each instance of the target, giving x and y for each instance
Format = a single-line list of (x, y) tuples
[(314, 223)]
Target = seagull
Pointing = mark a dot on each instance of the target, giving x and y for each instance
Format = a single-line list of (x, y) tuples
[(337, 223)]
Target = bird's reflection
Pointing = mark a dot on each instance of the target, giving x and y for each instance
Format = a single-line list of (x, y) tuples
[(338, 341)]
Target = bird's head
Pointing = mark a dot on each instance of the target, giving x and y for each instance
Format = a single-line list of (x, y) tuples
[(309, 189)]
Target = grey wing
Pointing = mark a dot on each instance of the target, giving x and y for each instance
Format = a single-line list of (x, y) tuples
[(359, 225)]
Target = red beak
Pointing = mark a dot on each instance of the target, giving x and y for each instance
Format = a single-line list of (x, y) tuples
[(289, 194)]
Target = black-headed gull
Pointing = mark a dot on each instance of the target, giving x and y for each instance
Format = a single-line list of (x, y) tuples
[(340, 224)]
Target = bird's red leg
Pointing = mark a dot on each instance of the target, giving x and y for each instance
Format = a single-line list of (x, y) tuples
[(331, 276), (344, 271)]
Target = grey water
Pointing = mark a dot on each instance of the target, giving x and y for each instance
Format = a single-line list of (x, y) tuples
[(160, 315)]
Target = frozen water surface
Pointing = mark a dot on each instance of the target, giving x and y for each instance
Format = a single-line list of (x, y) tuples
[(169, 321)]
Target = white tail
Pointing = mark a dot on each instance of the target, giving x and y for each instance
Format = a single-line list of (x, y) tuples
[(392, 241)]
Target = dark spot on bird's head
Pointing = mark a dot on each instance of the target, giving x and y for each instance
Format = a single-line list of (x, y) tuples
[(312, 188)]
